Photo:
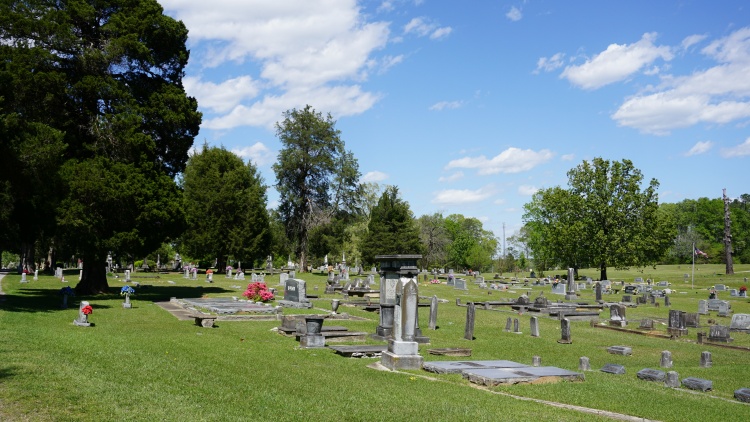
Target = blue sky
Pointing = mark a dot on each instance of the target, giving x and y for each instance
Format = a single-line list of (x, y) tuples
[(470, 107)]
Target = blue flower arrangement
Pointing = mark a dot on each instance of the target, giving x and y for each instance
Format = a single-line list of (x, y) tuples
[(127, 290), (67, 291)]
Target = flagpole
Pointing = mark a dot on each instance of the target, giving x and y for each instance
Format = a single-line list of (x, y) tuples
[(692, 279)]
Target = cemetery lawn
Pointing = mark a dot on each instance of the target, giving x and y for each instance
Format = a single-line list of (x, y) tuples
[(145, 364)]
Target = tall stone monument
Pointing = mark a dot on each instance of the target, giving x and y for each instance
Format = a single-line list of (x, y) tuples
[(393, 268), (571, 287), (403, 350)]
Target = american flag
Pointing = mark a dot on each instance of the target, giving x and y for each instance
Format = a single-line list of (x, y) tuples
[(699, 252)]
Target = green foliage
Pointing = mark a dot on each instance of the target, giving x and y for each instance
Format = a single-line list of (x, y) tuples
[(315, 176), (603, 219), (225, 207), (99, 88), (435, 240), (470, 246), (701, 222), (392, 229)]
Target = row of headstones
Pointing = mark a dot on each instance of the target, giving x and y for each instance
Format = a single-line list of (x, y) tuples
[(36, 276)]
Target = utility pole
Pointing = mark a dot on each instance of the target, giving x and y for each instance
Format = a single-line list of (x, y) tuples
[(504, 253)]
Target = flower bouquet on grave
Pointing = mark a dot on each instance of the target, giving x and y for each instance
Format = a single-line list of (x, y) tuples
[(127, 291), (743, 291), (65, 292), (434, 281), (258, 292), (83, 315)]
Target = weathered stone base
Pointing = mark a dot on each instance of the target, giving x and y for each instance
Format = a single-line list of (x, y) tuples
[(297, 305), (127, 305), (81, 324), (616, 323), (394, 362), (312, 341)]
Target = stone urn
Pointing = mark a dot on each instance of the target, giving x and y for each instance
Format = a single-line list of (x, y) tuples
[(314, 325), (335, 305)]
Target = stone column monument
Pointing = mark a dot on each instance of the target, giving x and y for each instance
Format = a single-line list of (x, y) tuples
[(393, 268), (403, 350)]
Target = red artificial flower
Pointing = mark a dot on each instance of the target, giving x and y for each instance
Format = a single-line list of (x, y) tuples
[(87, 310)]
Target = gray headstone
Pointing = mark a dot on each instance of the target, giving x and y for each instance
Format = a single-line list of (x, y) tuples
[(460, 284), (649, 374), (647, 324), (692, 320), (564, 331), (720, 287), (723, 309), (673, 379), (702, 307), (706, 361), (666, 359), (283, 277), (584, 364), (620, 350), (612, 368), (598, 291), (433, 313), (508, 323), (697, 384), (295, 290), (558, 289), (534, 327), (719, 333), (516, 326), (740, 322), (743, 395), (470, 314)]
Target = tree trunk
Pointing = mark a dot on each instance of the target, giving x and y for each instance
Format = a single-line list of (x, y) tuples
[(94, 279), (727, 235), (603, 271)]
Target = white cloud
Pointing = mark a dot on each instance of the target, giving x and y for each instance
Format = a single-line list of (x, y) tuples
[(385, 6), (452, 178), (692, 40), (514, 14), (258, 153), (550, 64), (740, 150), (338, 100), (423, 27), (616, 63), (568, 157), (462, 196), (499, 201), (302, 48), (443, 105), (373, 176), (717, 95), (527, 190), (512, 160), (699, 148), (221, 97)]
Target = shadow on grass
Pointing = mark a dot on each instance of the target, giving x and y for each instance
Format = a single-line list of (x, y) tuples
[(49, 300), (7, 372)]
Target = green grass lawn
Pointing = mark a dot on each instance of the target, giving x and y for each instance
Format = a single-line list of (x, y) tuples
[(144, 364)]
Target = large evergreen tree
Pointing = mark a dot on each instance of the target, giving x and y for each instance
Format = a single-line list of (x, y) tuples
[(225, 208), (392, 229), (98, 85), (315, 176)]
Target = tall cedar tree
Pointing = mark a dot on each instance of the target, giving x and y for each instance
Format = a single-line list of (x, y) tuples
[(315, 176), (392, 228), (104, 80), (225, 208)]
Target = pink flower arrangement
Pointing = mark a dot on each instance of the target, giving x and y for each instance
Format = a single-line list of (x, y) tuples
[(258, 292), (435, 281)]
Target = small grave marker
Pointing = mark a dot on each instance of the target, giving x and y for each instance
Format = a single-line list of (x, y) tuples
[(612, 368), (697, 384)]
